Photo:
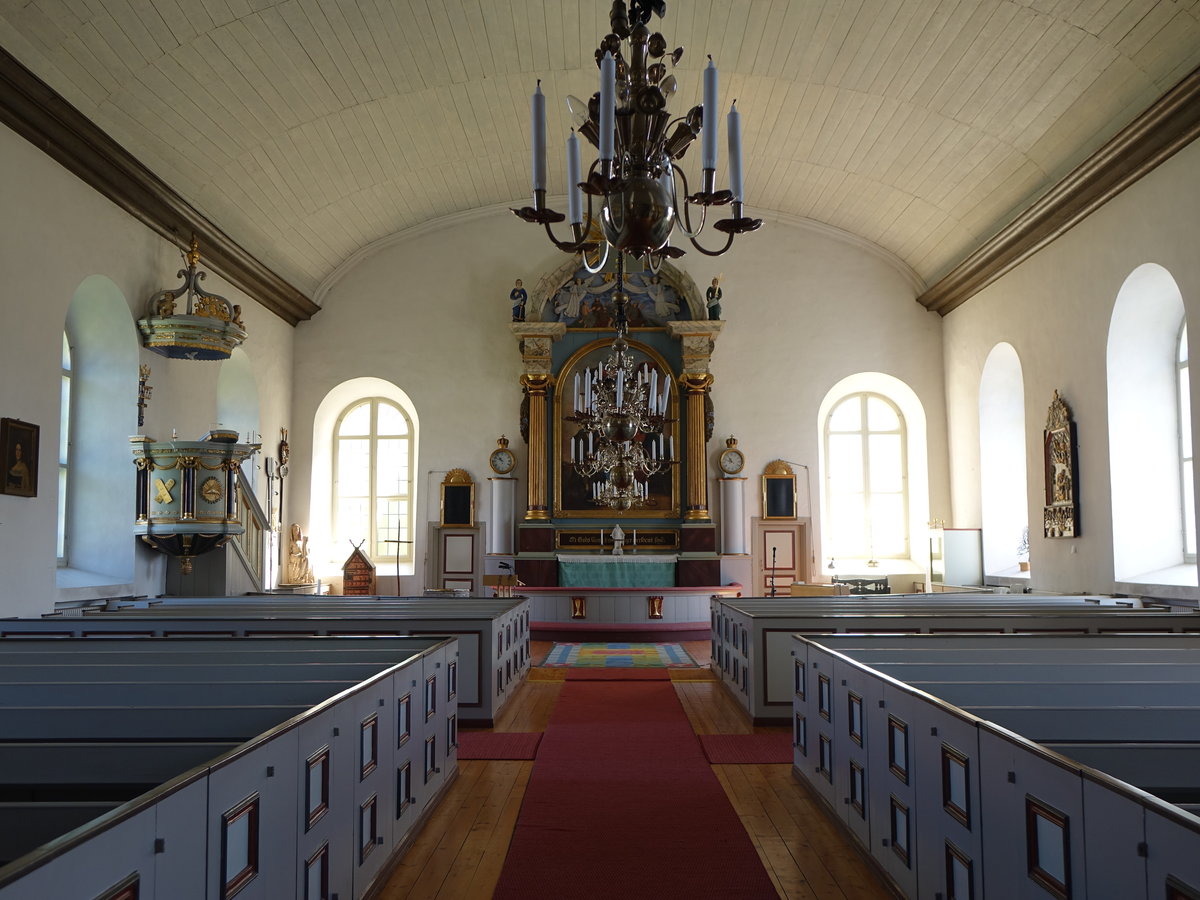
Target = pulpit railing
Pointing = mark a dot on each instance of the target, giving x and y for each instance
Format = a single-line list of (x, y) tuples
[(251, 546)]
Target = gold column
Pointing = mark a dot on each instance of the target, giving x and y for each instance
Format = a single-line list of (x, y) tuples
[(536, 386), (695, 387)]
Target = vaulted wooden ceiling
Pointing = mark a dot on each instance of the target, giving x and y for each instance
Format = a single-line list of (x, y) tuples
[(307, 129)]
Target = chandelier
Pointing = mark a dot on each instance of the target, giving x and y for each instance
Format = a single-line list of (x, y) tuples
[(621, 409), (635, 179)]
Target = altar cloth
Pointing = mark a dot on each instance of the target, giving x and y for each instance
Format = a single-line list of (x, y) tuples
[(630, 570)]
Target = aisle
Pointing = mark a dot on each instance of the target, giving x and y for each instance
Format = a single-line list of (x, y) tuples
[(621, 802)]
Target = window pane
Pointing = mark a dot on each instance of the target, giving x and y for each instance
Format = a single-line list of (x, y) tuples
[(849, 526), (887, 468), (66, 360), (353, 468), (64, 420), (391, 467), (1189, 510), (62, 513), (391, 421), (881, 416), (847, 415), (845, 463), (352, 522), (888, 534), (1183, 348), (1185, 411), (357, 421)]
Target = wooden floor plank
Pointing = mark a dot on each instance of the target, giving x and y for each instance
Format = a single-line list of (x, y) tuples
[(460, 852)]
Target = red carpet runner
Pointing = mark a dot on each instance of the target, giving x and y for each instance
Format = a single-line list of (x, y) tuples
[(622, 803)]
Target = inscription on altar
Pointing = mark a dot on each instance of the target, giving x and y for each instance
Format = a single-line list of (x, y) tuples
[(635, 539)]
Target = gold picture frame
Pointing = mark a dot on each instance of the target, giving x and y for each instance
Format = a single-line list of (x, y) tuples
[(19, 442), (458, 499), (778, 491)]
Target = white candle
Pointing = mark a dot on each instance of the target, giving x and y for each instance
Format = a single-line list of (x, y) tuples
[(574, 176), (538, 138), (577, 392), (671, 446), (589, 443), (620, 388), (735, 151), (665, 394), (635, 537), (608, 104), (709, 127)]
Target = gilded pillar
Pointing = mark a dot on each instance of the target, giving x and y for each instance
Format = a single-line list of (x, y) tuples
[(535, 340), (696, 388), (536, 387)]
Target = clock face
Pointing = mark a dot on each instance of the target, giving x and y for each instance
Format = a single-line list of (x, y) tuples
[(732, 461), (502, 461)]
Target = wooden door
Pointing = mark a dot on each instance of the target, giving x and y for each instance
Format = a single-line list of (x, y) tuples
[(781, 555)]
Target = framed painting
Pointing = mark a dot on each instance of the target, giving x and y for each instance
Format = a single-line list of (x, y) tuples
[(572, 491), (19, 441)]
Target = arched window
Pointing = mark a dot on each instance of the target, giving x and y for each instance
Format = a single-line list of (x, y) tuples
[(1183, 401), (64, 446), (866, 485), (372, 479), (1003, 483), (1149, 432)]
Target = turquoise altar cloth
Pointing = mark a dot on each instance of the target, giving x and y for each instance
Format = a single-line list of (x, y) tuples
[(631, 570)]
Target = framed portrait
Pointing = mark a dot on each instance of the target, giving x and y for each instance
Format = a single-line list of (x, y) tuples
[(19, 441)]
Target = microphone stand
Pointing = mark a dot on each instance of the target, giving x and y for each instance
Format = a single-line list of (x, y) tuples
[(773, 550)]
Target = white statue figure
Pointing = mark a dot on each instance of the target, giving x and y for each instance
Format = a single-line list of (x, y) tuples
[(299, 570), (618, 541)]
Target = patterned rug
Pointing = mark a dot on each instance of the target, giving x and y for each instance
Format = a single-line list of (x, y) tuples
[(618, 656)]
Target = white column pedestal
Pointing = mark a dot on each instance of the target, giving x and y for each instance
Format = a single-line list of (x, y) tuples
[(500, 524), (733, 515)]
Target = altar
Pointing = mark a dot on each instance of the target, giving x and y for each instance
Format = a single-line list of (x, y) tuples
[(633, 570)]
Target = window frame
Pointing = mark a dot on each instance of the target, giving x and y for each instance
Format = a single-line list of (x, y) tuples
[(867, 551), (404, 553), (66, 420), (1186, 466)]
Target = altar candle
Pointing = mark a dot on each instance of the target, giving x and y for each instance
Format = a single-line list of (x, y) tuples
[(589, 443), (573, 450), (671, 446), (576, 392), (665, 394), (635, 537)]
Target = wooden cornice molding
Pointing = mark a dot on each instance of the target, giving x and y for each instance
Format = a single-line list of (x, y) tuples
[(1152, 138), (39, 114)]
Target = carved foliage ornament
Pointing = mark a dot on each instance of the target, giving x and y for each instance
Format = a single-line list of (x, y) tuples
[(1060, 516)]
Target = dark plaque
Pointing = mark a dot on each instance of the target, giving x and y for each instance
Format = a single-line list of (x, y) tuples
[(358, 575)]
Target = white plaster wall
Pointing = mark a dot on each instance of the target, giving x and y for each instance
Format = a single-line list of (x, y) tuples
[(429, 311), (1055, 310), (54, 233)]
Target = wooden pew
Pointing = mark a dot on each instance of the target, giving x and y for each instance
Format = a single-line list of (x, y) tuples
[(493, 633), (911, 774), (369, 723)]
